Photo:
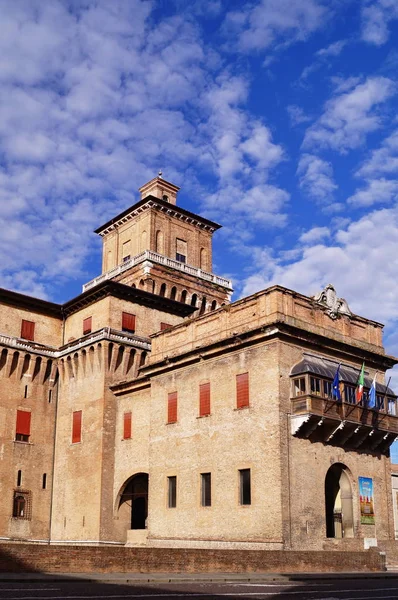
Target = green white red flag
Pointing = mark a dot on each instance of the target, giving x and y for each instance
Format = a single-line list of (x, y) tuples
[(360, 383)]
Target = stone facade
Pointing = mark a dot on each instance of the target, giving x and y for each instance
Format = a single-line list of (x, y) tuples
[(160, 414)]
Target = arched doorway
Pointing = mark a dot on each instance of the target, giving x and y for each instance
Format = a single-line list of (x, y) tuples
[(135, 497), (338, 502)]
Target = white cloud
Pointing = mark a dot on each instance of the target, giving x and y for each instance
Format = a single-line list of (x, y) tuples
[(297, 115), (377, 191), (316, 177), (376, 16), (382, 161), (350, 116), (316, 234), (258, 26), (333, 49)]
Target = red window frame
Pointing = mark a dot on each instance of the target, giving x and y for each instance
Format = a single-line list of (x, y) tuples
[(77, 427), (128, 322), (87, 325), (204, 399), (172, 407), (28, 330), (127, 425), (22, 428), (242, 390), (164, 326)]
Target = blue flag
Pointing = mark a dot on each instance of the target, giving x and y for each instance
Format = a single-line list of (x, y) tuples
[(372, 394), (336, 385)]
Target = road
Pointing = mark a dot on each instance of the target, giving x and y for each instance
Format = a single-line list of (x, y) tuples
[(358, 589)]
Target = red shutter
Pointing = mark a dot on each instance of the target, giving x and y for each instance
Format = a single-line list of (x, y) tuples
[(28, 330), (128, 322), (127, 426), (77, 427), (204, 399), (172, 408), (87, 325), (242, 390), (164, 326), (23, 422)]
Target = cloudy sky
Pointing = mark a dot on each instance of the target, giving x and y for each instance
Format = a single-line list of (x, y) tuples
[(276, 117)]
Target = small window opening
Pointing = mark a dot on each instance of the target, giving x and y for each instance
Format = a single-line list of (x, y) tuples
[(165, 198), (299, 386), (315, 386), (245, 487), (19, 478), (172, 491), (44, 481), (50, 396), (26, 391), (205, 489)]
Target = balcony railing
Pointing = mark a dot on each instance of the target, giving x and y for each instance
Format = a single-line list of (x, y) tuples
[(160, 260)]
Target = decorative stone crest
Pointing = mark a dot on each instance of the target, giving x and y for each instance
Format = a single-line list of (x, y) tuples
[(335, 307)]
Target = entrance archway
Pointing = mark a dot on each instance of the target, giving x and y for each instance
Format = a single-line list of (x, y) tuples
[(338, 502), (135, 497)]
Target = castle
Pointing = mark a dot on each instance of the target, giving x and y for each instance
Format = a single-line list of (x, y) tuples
[(150, 410)]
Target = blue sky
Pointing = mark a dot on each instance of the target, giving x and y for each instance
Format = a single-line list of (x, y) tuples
[(276, 117)]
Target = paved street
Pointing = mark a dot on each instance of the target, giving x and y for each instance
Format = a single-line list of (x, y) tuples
[(358, 589)]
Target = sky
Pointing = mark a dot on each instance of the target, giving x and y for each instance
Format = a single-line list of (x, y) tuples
[(277, 118)]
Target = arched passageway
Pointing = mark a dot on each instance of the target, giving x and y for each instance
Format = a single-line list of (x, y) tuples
[(338, 502), (134, 501)]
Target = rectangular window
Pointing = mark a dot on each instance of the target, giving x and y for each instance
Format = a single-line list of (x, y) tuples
[(126, 250), (349, 394), (87, 325), (299, 386), (205, 479), (127, 425), (77, 427), (44, 481), (327, 389), (22, 432), (242, 390), (315, 386), (28, 330), (164, 326), (204, 399), (245, 486), (172, 491), (181, 250), (22, 505), (172, 408), (128, 322)]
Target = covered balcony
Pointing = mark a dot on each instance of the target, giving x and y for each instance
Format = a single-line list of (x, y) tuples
[(319, 417)]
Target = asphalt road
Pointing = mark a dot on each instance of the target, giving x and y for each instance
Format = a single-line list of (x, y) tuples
[(316, 590)]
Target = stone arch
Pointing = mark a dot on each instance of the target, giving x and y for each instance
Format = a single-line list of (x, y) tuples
[(144, 241), (132, 502), (162, 291), (159, 242), (194, 299), (213, 305), (339, 510), (184, 296), (203, 259), (173, 293), (202, 306)]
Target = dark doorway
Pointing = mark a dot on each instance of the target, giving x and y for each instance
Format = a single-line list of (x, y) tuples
[(338, 503), (135, 495)]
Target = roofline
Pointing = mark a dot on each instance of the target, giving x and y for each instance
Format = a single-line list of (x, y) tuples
[(30, 302), (163, 204)]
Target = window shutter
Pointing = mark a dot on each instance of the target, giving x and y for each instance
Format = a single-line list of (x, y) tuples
[(28, 330), (127, 426), (23, 422), (242, 390), (204, 399), (87, 325), (164, 326), (172, 408), (77, 427), (128, 322)]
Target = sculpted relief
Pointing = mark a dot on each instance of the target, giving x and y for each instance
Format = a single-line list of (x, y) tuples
[(335, 307)]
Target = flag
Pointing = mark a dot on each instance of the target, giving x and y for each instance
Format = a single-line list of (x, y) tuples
[(360, 382), (336, 385), (372, 393)]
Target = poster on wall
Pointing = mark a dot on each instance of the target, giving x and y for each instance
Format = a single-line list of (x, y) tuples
[(366, 500)]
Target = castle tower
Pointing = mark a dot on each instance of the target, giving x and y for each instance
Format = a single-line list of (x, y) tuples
[(164, 249)]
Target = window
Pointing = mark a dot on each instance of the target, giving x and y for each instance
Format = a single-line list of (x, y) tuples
[(242, 390), (172, 491), (244, 487), (204, 399), (77, 427), (315, 386), (205, 479), (299, 386), (327, 389), (44, 481), (172, 408), (26, 392), (19, 478), (181, 251), (128, 322), (126, 258), (87, 325), (164, 326), (127, 425), (22, 505), (22, 432), (349, 394), (28, 330), (126, 250)]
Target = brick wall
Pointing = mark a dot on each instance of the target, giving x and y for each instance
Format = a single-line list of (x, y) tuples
[(78, 559)]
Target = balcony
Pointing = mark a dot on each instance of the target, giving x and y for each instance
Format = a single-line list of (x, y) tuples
[(343, 424), (159, 259)]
